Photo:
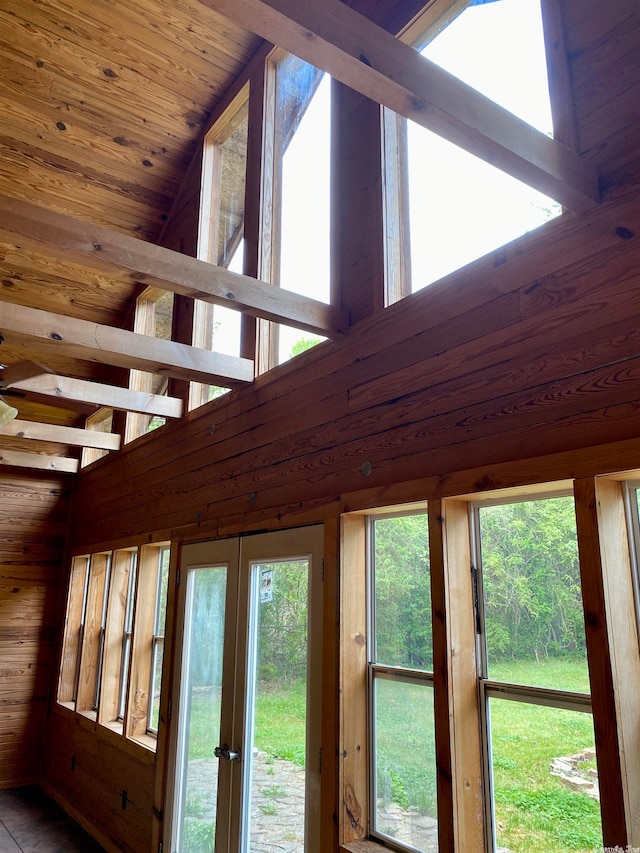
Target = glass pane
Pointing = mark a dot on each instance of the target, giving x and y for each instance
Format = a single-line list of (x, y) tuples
[(405, 763), (277, 708), (545, 780), (533, 602), (402, 592), (161, 601), (498, 48), (304, 133), (156, 685), (464, 206), (222, 238), (126, 635), (461, 208), (200, 702)]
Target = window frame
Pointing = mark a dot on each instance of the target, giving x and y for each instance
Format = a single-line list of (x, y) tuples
[(111, 638), (395, 165), (378, 671), (491, 688), (138, 424)]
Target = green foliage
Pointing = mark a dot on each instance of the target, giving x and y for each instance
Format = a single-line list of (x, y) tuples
[(531, 577), (304, 344), (405, 746), (403, 592), (283, 626), (199, 835)]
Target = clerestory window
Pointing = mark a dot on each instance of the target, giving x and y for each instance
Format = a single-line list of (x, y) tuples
[(455, 206)]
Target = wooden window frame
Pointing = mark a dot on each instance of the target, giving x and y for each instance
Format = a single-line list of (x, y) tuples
[(394, 151), (490, 688), (139, 700), (90, 666), (377, 671), (136, 423), (73, 632), (209, 218), (114, 675), (613, 653), (111, 639)]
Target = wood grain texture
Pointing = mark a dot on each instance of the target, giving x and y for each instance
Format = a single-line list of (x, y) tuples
[(31, 553)]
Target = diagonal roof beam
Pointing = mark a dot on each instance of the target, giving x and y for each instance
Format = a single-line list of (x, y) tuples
[(62, 434), (362, 55), (95, 393), (96, 247), (54, 333)]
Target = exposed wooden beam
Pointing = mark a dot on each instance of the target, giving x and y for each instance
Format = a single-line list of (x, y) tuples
[(19, 459), (94, 393), (100, 248), (108, 345), (21, 370), (62, 434), (360, 54)]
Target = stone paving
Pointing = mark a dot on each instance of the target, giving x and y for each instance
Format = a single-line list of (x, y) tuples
[(277, 808)]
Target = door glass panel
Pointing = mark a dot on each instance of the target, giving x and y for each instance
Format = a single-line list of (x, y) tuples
[(275, 742), (200, 702)]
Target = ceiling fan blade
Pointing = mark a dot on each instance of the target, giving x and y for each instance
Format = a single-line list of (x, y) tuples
[(20, 371)]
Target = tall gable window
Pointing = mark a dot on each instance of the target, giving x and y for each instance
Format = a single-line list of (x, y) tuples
[(459, 207), (301, 176), (221, 238)]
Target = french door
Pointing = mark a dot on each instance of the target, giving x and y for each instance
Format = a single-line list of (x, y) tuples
[(246, 735)]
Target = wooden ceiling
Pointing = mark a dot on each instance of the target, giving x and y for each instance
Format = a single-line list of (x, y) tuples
[(103, 106)]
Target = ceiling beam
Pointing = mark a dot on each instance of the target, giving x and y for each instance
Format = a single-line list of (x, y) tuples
[(93, 246), (54, 333), (62, 434), (357, 52), (19, 459), (94, 393)]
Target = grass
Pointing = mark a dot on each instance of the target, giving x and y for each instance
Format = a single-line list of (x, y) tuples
[(535, 812), (280, 722)]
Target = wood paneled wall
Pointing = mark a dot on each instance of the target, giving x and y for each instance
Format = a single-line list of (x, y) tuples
[(532, 350), (106, 787), (33, 526), (512, 370)]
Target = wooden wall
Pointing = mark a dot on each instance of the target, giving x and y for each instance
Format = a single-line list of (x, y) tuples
[(33, 526), (105, 783), (522, 367)]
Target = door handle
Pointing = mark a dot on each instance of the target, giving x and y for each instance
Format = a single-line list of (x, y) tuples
[(224, 752)]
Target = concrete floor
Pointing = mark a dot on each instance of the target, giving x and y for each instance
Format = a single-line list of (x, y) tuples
[(31, 822)]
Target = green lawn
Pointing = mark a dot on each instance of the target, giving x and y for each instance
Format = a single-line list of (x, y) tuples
[(535, 812)]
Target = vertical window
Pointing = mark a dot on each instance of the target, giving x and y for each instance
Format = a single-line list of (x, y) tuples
[(125, 658), (154, 317), (157, 639), (403, 766), (74, 630), (542, 779), (92, 629), (457, 206), (633, 523), (112, 657), (101, 421), (300, 194), (222, 230)]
